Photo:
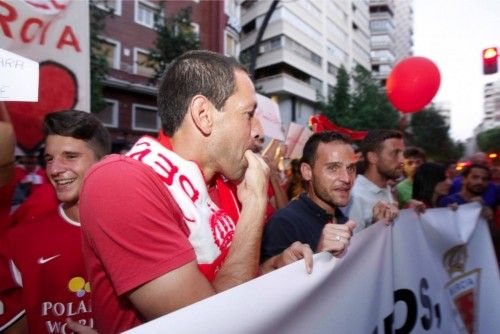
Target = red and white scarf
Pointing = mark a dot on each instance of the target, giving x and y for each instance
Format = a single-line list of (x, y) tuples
[(211, 228)]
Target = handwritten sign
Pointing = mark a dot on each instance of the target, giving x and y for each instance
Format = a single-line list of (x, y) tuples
[(296, 138), (18, 78), (269, 116)]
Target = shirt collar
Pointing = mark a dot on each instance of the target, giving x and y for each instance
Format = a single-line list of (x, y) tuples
[(369, 185)]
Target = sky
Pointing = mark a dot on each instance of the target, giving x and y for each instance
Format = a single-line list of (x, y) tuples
[(453, 33)]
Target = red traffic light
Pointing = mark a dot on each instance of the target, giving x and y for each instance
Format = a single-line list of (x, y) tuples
[(490, 60)]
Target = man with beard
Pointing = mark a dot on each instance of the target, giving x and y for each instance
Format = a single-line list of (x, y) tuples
[(475, 181), (161, 228), (371, 198), (314, 218)]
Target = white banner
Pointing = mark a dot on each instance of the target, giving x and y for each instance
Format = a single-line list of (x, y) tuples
[(436, 273)]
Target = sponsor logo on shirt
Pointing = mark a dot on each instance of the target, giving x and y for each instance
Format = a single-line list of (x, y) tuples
[(43, 260)]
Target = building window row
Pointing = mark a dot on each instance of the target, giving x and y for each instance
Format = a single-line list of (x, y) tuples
[(286, 42), (335, 52), (285, 15), (333, 30), (334, 10), (144, 117)]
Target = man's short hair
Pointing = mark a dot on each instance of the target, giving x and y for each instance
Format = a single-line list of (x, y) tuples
[(414, 152), (469, 168), (194, 73), (80, 125), (311, 146), (375, 138)]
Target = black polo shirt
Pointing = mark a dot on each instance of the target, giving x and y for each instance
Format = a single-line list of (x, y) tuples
[(302, 220)]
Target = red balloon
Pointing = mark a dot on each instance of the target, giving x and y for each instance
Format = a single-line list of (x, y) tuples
[(412, 84)]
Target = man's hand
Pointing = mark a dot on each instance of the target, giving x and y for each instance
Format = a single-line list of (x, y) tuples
[(255, 180), (335, 237), (419, 206), (385, 211), (79, 328), (296, 251)]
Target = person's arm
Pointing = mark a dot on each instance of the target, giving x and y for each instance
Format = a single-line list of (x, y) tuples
[(18, 327), (280, 197), (242, 262), (178, 288)]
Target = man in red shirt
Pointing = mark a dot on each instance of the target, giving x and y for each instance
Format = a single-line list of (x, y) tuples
[(161, 228), (45, 247)]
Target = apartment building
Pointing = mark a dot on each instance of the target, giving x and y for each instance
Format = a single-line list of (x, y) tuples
[(391, 28), (128, 36), (303, 46), (491, 105)]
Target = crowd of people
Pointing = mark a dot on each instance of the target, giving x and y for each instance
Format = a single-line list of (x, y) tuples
[(105, 242)]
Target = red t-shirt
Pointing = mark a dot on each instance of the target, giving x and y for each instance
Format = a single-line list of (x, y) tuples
[(133, 232), (11, 305), (47, 252)]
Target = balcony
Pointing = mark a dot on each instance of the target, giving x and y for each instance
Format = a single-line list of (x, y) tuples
[(286, 84)]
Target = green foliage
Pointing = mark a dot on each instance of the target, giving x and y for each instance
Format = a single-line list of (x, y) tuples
[(365, 106), (175, 36), (99, 67), (489, 141), (430, 132), (362, 108)]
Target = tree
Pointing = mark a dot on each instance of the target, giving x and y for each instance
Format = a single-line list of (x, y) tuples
[(362, 108), (429, 131), (338, 104), (99, 67), (489, 141), (175, 35), (370, 108)]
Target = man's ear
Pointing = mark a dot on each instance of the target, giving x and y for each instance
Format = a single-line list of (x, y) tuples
[(306, 171), (372, 157), (200, 110)]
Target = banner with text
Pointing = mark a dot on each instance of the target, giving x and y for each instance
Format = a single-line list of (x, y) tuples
[(434, 273), (54, 33)]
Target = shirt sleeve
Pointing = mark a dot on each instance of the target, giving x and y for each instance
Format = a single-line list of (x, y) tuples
[(132, 224)]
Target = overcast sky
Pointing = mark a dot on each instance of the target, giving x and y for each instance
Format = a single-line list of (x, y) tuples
[(452, 33)]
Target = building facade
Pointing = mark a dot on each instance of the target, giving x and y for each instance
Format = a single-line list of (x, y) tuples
[(127, 38), (302, 48), (391, 29), (491, 105)]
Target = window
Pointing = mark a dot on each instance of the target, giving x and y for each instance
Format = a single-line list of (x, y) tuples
[(145, 118), (332, 69), (230, 45), (109, 115), (114, 5), (110, 49), (141, 63), (145, 13)]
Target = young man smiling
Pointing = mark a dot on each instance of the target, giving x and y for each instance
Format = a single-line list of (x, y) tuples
[(45, 249)]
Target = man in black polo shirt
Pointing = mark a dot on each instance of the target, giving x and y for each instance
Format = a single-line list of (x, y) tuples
[(329, 168)]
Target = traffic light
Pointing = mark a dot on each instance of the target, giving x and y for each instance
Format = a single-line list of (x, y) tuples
[(490, 60)]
